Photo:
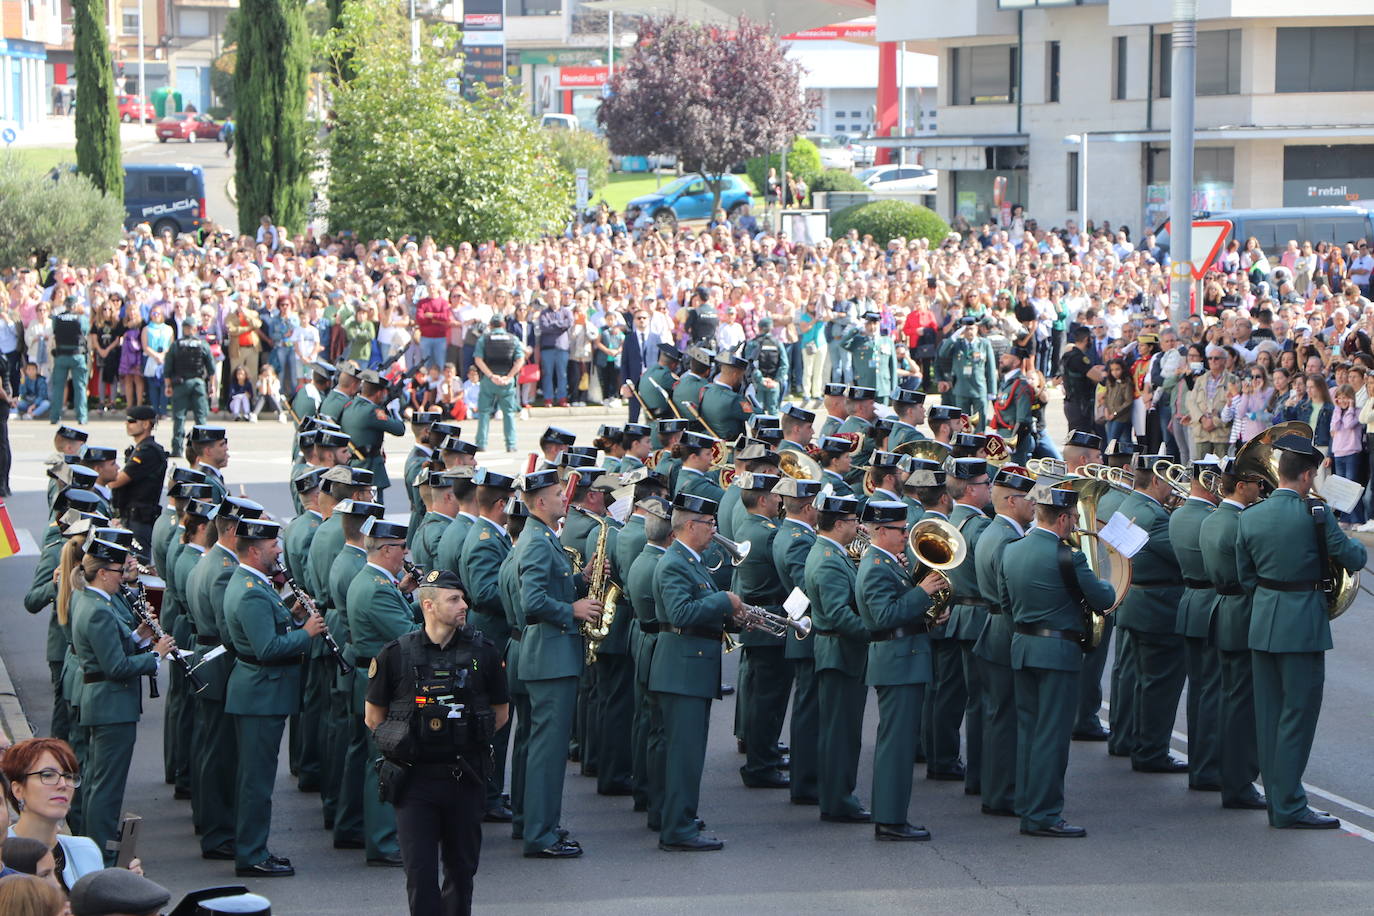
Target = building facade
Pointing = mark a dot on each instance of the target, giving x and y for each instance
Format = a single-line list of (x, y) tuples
[(1284, 112), (26, 27)]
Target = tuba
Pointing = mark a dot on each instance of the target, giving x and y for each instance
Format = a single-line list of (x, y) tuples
[(926, 449), (1104, 560), (599, 587), (799, 465), (937, 545)]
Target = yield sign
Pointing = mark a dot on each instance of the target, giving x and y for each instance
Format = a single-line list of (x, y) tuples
[(1208, 236)]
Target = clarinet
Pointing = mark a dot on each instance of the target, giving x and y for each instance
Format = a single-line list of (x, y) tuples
[(308, 603), (139, 603)]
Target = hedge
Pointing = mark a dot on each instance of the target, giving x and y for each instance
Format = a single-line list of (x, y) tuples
[(886, 220), (837, 180)]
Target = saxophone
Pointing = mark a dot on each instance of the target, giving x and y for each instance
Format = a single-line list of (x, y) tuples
[(600, 588)]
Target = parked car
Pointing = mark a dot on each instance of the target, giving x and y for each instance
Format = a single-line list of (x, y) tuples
[(555, 121), (687, 198), (834, 154), (135, 108), (187, 125), (904, 179)]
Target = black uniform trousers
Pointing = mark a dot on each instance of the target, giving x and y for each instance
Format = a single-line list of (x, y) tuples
[(439, 818)]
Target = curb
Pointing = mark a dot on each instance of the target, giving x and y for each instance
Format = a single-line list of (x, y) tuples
[(12, 717)]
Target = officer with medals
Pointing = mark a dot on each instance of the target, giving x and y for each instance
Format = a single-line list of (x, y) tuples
[(836, 458), (499, 358), (910, 408), (436, 492), (894, 611), (841, 658), (770, 366), (1218, 540), (687, 389), (791, 547), (139, 484), (1045, 586), (421, 454), (71, 330), (1150, 614), (972, 372), (435, 697), (861, 403), (685, 671), (656, 385), (1195, 623), (367, 422), (207, 451), (264, 688), (189, 366), (1287, 547), (992, 652), (338, 397), (648, 762), (724, 407), (874, 355), (551, 659)]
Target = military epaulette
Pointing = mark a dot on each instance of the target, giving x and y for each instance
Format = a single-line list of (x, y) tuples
[(227, 562), (796, 534), (769, 525), (484, 536), (380, 580)]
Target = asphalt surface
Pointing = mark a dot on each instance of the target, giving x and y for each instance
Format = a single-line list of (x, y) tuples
[(1152, 846)]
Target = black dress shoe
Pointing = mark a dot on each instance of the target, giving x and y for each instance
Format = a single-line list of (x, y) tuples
[(265, 869), (308, 785), (560, 850), (641, 807), (1112, 753), (221, 853), (386, 862), (498, 815), (1059, 829), (181, 794), (772, 779), (956, 774), (1204, 786), (786, 762), (1251, 802), (900, 832), (998, 812), (1170, 765), (702, 842), (739, 746), (1315, 820), (727, 689), (805, 800), (1098, 734), (349, 843), (783, 748), (617, 791), (862, 816), (280, 860), (589, 770)]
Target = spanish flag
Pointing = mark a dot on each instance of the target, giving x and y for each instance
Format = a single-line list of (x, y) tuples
[(9, 541)]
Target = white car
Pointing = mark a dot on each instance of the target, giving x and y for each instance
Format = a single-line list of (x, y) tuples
[(834, 154), (906, 179)]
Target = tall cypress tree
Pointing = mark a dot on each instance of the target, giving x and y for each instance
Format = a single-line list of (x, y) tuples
[(270, 85), (97, 116)]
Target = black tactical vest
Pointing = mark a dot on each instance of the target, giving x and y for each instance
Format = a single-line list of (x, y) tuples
[(446, 715), (499, 352)]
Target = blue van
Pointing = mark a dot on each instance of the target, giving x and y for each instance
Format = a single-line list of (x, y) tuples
[(1273, 228), (164, 196)]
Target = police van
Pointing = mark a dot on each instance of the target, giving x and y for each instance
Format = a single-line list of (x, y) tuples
[(165, 197)]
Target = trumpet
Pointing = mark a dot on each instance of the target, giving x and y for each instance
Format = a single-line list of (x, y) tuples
[(736, 552), (753, 617)]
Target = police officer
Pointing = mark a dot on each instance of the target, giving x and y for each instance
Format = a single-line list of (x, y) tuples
[(434, 698), (770, 366), (367, 422), (798, 428), (499, 358), (139, 484), (189, 367), (70, 330), (875, 356), (972, 372), (702, 318)]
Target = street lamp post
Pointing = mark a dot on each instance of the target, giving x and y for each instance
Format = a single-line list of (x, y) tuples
[(1081, 141), (142, 74)]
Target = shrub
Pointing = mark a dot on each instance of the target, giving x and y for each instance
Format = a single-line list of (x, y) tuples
[(886, 220), (837, 180), (67, 218), (580, 149), (803, 161)]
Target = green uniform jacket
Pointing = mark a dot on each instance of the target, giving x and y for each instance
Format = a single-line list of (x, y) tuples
[(756, 579), (639, 585), (296, 541), (333, 404), (577, 530), (972, 367), (187, 557), (751, 350), (1035, 594), (173, 615), (377, 613), (830, 426), (650, 393), (687, 597), (726, 410), (348, 562), (875, 361), (484, 551), (509, 582), (449, 554), (684, 392), (367, 424), (1110, 503), (625, 545), (105, 645), (1218, 541), (1017, 412), (902, 432), (1151, 605), (887, 599), (839, 634), (205, 590), (43, 592), (419, 455), (424, 545), (838, 483), (728, 516), (698, 484), (994, 643), (324, 548), (163, 532), (303, 405), (791, 546), (966, 620), (215, 478), (259, 626), (1277, 541), (1185, 534), (857, 424), (552, 646)]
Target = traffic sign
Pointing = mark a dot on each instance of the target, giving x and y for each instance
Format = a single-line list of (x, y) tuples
[(583, 189), (8, 135), (1208, 236)]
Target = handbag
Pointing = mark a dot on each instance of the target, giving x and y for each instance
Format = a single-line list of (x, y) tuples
[(151, 368), (529, 374)]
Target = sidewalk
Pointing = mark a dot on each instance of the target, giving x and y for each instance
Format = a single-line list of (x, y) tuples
[(58, 131)]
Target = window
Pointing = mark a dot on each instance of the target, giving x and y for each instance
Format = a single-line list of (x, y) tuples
[(1210, 163), (534, 7), (856, 115), (129, 22), (194, 23), (1325, 60), (983, 75), (1071, 199), (1218, 63), (1052, 71), (1119, 67)]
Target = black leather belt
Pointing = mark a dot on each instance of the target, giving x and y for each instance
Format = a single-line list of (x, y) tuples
[(816, 632), (288, 662), (994, 608), (971, 600), (206, 641), (1026, 629), (1162, 583), (652, 626), (1197, 583), (897, 632), (1229, 590), (1277, 586), (697, 632), (517, 634), (95, 678), (532, 621)]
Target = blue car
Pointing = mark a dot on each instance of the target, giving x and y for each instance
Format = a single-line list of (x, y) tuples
[(688, 197)]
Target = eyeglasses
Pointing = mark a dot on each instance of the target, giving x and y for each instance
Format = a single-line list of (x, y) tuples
[(51, 777), (704, 521), (892, 527), (1216, 358)]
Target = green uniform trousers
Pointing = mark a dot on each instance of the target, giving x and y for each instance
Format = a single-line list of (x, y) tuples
[(765, 708), (973, 718), (583, 742), (519, 757), (769, 398), (314, 708), (259, 741), (1090, 682), (178, 725), (840, 701), (379, 817), (998, 777), (1122, 715), (741, 688), (76, 368), (108, 756), (552, 708), (648, 750), (490, 398), (803, 732), (62, 723), (1044, 728), (80, 742), (342, 787), (686, 721), (1288, 700), (945, 700), (1160, 670), (899, 732), (1239, 760), (1204, 713), (612, 718), (213, 765), (187, 395)]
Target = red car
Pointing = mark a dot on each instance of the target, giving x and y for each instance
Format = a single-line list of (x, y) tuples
[(187, 125), (134, 108)]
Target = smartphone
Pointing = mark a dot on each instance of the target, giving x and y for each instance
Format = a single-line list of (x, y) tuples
[(128, 840)]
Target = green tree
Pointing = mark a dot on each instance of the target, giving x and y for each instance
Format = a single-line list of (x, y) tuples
[(803, 161), (580, 149), (407, 155), (69, 218), (271, 75), (97, 115)]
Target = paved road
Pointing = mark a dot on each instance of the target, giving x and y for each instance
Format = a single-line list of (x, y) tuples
[(1153, 846)]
